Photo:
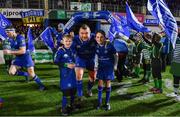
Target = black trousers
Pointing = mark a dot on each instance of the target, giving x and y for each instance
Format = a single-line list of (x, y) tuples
[(156, 68), (121, 66), (176, 81), (163, 59)]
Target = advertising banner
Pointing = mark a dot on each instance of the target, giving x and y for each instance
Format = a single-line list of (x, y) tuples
[(14, 13), (32, 16)]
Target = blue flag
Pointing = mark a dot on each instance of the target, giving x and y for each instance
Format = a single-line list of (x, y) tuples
[(133, 22), (117, 29), (31, 47), (160, 11), (46, 36), (4, 22), (124, 24)]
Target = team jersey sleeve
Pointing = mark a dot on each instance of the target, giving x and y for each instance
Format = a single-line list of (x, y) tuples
[(57, 57), (21, 42)]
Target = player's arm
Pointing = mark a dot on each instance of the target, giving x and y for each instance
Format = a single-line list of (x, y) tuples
[(22, 50)]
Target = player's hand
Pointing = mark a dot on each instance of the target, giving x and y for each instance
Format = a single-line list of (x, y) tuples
[(71, 65), (7, 52)]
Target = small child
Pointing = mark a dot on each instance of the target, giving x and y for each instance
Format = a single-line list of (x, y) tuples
[(156, 64), (106, 62), (64, 58)]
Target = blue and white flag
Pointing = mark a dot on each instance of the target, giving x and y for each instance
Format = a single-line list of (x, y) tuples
[(117, 29), (31, 47), (124, 24), (133, 22), (159, 10), (4, 22), (46, 36)]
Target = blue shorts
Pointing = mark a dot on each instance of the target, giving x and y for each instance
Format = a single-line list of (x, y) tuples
[(67, 79), (105, 73), (85, 63), (23, 61)]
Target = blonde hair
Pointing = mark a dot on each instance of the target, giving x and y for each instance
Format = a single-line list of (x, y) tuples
[(67, 36)]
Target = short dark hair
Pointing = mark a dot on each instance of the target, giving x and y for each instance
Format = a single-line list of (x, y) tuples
[(102, 32), (84, 26), (156, 37)]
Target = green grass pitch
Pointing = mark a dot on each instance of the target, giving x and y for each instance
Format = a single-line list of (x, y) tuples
[(127, 98)]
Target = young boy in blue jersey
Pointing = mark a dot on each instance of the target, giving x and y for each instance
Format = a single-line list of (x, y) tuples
[(65, 59), (106, 62), (22, 57), (84, 45)]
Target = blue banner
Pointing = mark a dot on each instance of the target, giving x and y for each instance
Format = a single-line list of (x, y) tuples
[(124, 24), (116, 29), (160, 11), (151, 22), (46, 36), (38, 13), (133, 22), (31, 47), (4, 22)]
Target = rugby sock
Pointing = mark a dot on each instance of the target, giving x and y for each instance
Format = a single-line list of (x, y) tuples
[(79, 88), (38, 81), (160, 83), (90, 85), (108, 92), (64, 102), (21, 73), (137, 70), (72, 99), (100, 89), (156, 83), (148, 75)]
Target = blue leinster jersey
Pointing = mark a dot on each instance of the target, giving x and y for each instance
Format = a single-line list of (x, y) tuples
[(84, 49), (23, 60), (67, 75), (105, 54)]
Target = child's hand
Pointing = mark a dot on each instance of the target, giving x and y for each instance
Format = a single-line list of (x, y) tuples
[(71, 65)]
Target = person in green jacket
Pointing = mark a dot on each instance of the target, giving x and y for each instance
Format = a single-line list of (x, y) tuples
[(8, 58)]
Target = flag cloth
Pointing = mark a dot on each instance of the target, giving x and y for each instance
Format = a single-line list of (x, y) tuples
[(124, 24), (133, 22), (4, 22), (160, 10), (117, 29), (46, 36), (31, 47)]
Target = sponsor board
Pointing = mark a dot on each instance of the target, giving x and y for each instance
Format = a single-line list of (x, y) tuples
[(14, 13)]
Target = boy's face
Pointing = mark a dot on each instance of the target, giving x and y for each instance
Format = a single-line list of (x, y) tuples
[(100, 38), (67, 42)]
